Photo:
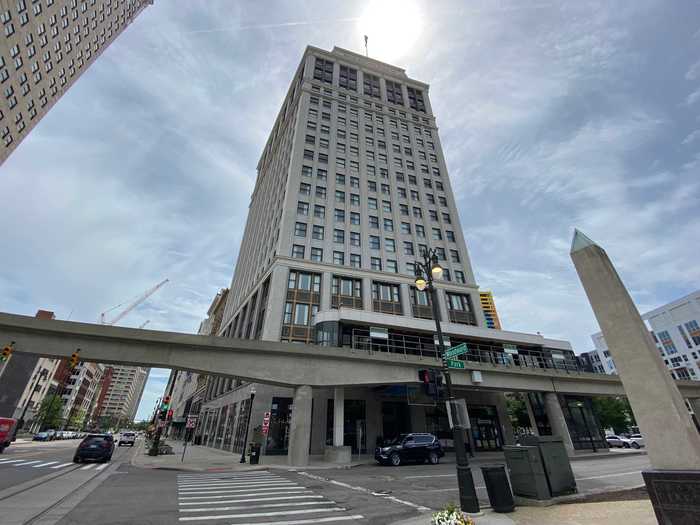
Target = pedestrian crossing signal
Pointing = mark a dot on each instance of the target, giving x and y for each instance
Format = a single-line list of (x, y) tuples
[(6, 352), (74, 358)]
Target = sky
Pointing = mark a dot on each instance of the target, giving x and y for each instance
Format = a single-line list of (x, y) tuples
[(552, 115)]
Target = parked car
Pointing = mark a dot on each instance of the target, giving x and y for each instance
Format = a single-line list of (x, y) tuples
[(418, 447), (95, 447), (618, 441), (52, 434), (7, 432), (41, 436), (637, 440), (127, 438)]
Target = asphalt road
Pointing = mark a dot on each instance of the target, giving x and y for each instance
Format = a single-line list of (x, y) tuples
[(371, 494), (23, 461)]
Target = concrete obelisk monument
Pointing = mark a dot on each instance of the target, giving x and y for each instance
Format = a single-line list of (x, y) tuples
[(672, 441)]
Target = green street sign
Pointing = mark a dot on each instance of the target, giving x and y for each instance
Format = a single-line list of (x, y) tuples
[(454, 363), (456, 350)]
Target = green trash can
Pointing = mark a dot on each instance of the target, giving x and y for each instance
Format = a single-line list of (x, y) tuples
[(498, 488), (254, 453)]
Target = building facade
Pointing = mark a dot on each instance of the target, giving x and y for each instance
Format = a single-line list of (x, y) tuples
[(352, 187), (489, 308), (45, 46), (675, 328), (123, 394)]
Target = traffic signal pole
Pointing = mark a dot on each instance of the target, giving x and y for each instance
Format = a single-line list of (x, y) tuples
[(153, 451)]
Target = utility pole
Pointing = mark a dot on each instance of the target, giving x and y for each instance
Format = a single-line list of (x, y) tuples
[(159, 415)]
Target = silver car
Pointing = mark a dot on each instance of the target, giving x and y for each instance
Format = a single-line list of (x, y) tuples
[(618, 441), (637, 440)]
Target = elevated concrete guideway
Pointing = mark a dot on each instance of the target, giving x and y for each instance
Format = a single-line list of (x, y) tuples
[(278, 363)]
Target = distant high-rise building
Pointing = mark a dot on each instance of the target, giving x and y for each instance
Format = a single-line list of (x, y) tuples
[(123, 394), (489, 308), (45, 46)]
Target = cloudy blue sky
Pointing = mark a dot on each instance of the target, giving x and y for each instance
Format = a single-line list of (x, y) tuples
[(552, 115)]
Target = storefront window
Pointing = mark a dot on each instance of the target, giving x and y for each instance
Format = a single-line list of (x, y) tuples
[(278, 435)]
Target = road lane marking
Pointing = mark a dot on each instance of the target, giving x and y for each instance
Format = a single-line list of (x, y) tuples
[(262, 514), (435, 476), (62, 465), (8, 461), (246, 500), (296, 491), (87, 467), (44, 464), (27, 463), (611, 475), (264, 506), (104, 465)]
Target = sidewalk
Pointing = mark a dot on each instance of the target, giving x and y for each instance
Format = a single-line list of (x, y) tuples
[(639, 512), (198, 459)]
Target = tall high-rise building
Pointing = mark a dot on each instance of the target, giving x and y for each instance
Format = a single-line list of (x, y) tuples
[(45, 47), (489, 308), (123, 393), (352, 187)]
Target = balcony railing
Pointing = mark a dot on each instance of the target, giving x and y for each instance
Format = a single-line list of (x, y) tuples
[(484, 353)]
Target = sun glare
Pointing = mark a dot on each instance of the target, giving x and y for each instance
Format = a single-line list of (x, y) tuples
[(393, 26)]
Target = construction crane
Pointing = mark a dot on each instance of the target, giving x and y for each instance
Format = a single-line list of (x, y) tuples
[(131, 306), (144, 324)]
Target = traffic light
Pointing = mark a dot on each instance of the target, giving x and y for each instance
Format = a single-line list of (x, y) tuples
[(6, 352), (165, 404), (432, 382), (74, 359)]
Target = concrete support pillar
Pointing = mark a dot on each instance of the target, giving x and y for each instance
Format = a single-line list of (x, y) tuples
[(326, 287), (374, 421), (442, 305), (557, 420), (300, 427), (339, 417), (405, 295), (367, 294), (531, 415), (504, 419)]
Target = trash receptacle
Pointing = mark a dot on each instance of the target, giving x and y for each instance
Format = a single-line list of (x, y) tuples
[(254, 453), (498, 488)]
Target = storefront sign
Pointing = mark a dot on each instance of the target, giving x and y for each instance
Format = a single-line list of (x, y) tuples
[(266, 423)]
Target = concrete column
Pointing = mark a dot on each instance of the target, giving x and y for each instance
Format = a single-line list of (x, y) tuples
[(326, 287), (318, 424), (374, 420), (367, 294), (405, 295), (555, 415), (300, 427), (442, 305), (504, 419), (531, 415), (654, 397), (339, 417)]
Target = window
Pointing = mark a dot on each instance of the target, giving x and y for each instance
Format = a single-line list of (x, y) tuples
[(394, 93), (300, 229), (306, 171), (454, 256), (319, 211), (320, 192), (414, 195), (371, 85), (415, 99), (408, 248), (339, 258), (308, 154), (354, 182), (460, 308), (440, 252), (403, 208), (317, 232), (694, 331), (372, 203), (386, 298), (385, 189), (348, 78), (386, 206), (310, 139), (354, 199), (354, 239), (420, 231), (459, 276), (339, 215), (297, 251), (437, 234), (371, 186), (339, 236), (446, 218), (346, 291), (439, 186), (374, 242), (355, 260), (402, 192), (374, 222), (323, 158), (354, 218), (302, 208), (389, 245), (388, 225), (442, 200), (392, 266), (323, 70), (339, 196), (304, 188), (340, 179), (317, 254), (376, 264), (446, 275)]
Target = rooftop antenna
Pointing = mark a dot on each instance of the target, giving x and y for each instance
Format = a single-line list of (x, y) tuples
[(366, 51)]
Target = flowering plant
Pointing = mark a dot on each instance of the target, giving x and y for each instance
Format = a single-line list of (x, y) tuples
[(451, 516)]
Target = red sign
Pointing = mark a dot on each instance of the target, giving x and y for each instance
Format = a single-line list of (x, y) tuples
[(170, 413), (266, 423)]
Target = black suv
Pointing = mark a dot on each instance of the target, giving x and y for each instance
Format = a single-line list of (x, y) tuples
[(418, 447)]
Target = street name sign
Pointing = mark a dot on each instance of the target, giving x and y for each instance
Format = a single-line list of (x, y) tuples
[(454, 363), (457, 350)]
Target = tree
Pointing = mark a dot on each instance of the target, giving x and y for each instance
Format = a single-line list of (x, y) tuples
[(517, 411), (614, 412), (76, 419), (50, 411)]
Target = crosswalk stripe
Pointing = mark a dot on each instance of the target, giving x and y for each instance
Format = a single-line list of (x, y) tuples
[(88, 467), (234, 484), (104, 465), (305, 522), (247, 493), (228, 480), (62, 465), (262, 514), (264, 506), (222, 490), (7, 461), (246, 500), (26, 463), (44, 464), (214, 474)]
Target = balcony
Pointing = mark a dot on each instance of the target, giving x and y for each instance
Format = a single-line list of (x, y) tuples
[(462, 317), (346, 301), (422, 311), (386, 307)]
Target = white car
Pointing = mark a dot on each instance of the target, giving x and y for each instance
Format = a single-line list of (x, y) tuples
[(618, 441), (637, 440), (127, 438)]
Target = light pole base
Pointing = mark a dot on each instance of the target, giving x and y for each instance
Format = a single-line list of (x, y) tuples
[(468, 500)]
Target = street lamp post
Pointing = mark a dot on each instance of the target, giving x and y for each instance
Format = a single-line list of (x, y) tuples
[(247, 424), (425, 272)]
